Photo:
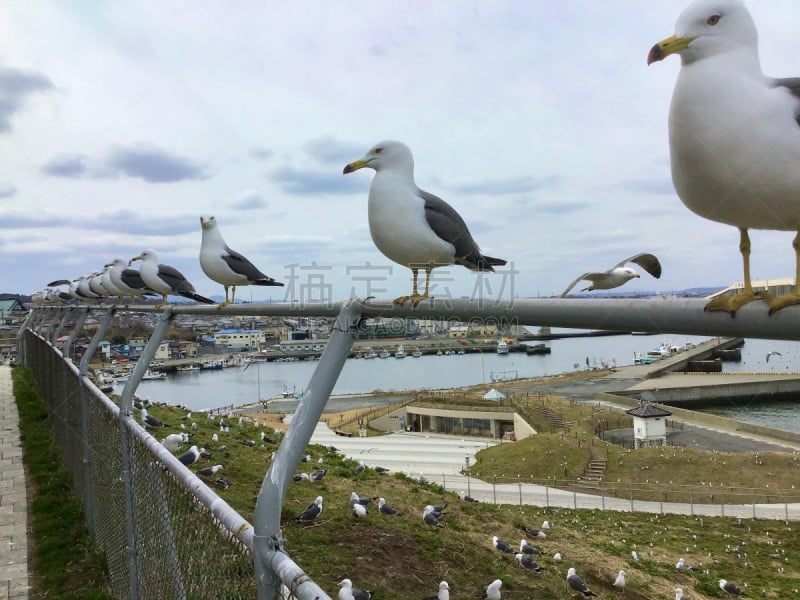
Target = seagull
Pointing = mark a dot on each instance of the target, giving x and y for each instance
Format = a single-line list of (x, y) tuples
[(311, 512), (526, 548), (318, 474), (359, 510), (348, 592), (729, 587), (127, 280), (223, 483), (356, 499), (209, 471), (634, 555), (618, 274), (442, 594), (166, 280), (361, 466), (386, 509), (191, 456), (733, 134), (410, 226), (381, 470), (557, 557), (527, 562), (619, 582), (83, 289), (546, 525), (492, 591), (533, 532), (502, 545), (773, 353), (300, 477), (430, 518), (225, 266), (150, 420), (682, 566), (578, 584), (173, 441), (466, 498), (679, 595)]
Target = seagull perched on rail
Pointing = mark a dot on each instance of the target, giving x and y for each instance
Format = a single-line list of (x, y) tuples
[(166, 280), (734, 134), (411, 226), (618, 274), (226, 266)]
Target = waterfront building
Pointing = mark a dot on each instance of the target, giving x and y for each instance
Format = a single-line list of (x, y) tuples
[(239, 339), (649, 425)]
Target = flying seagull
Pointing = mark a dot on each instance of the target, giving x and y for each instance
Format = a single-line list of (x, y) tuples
[(773, 353), (442, 594), (166, 280), (730, 587), (492, 591), (311, 512), (733, 134), (618, 274), (348, 592), (412, 227), (578, 584), (226, 266)]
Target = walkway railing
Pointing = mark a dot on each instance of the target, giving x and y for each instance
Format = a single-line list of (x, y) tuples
[(166, 534)]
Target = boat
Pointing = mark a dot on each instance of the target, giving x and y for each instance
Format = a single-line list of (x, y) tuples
[(400, 353), (384, 354), (371, 354), (185, 368), (148, 374), (416, 353), (214, 365), (502, 347)]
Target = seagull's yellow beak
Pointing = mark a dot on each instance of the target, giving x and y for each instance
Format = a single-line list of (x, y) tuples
[(637, 276), (205, 223), (664, 48), (108, 265), (130, 262), (355, 166)]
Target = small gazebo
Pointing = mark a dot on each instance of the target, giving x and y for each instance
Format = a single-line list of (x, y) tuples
[(494, 394), (649, 425)]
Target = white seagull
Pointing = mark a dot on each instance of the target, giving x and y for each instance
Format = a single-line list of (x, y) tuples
[(619, 582), (442, 594), (679, 595), (734, 133), (166, 280), (348, 592), (410, 226), (226, 266), (492, 591), (617, 275)]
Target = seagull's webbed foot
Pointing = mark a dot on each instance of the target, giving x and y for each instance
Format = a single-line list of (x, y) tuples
[(415, 299), (731, 303), (223, 304), (777, 303)]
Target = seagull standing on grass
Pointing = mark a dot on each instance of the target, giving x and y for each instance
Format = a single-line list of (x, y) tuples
[(412, 227), (578, 584), (734, 134), (492, 591), (730, 587), (311, 512), (527, 562), (442, 594), (619, 582), (348, 592), (166, 280), (226, 266)]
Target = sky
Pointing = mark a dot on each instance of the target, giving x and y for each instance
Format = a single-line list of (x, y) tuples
[(540, 122)]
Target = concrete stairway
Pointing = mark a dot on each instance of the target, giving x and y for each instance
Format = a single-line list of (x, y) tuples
[(595, 471)]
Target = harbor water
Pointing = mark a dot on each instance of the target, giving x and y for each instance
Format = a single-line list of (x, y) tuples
[(208, 389)]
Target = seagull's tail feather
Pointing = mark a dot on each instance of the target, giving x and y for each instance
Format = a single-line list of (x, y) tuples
[(197, 297), (479, 262), (267, 281)]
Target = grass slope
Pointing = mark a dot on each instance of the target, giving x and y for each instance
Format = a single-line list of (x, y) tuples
[(66, 564)]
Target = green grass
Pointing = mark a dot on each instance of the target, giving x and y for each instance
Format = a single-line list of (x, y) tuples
[(66, 565)]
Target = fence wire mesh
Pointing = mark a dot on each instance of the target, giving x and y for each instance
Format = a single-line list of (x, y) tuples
[(180, 549)]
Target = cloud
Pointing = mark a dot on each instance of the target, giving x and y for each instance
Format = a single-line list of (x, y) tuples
[(154, 165), (511, 185), (648, 186), (7, 190), (327, 149), (16, 86), (249, 200), (300, 183), (120, 221), (261, 154), (73, 166), (556, 208)]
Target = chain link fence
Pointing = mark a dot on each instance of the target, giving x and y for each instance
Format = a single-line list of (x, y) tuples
[(160, 538)]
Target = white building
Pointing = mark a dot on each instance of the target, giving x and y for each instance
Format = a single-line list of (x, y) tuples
[(649, 425), (239, 339)]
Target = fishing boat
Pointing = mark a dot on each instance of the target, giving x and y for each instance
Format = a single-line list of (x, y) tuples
[(185, 368), (384, 354), (400, 353), (416, 353), (148, 374), (371, 354), (502, 347)]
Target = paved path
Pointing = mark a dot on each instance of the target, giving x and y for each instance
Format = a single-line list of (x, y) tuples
[(13, 502)]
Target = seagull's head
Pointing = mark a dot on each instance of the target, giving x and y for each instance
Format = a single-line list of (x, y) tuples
[(388, 154), (706, 28), (571, 572), (346, 583), (207, 222), (443, 586), (145, 256)]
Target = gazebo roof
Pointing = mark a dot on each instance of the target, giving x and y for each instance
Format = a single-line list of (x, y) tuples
[(648, 410)]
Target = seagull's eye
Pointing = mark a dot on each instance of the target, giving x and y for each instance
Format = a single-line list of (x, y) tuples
[(713, 20), (378, 150)]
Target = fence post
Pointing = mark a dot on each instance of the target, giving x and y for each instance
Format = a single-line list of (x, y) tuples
[(520, 493), (65, 315), (268, 556), (547, 496), (126, 402), (98, 336), (494, 489), (76, 329)]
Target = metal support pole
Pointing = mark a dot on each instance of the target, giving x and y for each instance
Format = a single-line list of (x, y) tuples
[(65, 316), (126, 402), (76, 330), (98, 336), (269, 560)]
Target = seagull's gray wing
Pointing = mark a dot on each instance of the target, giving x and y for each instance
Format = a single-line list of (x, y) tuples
[(241, 266), (647, 261), (588, 276), (133, 279), (448, 225), (793, 85), (174, 279), (59, 282)]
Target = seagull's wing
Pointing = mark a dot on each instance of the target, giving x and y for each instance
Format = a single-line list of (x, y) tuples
[(174, 279), (793, 85), (58, 282), (588, 276), (647, 261), (449, 226), (242, 266)]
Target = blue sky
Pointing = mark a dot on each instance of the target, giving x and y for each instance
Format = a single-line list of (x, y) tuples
[(121, 123)]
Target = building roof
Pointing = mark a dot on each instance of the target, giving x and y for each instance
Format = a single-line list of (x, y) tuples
[(11, 305), (250, 331), (648, 410)]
